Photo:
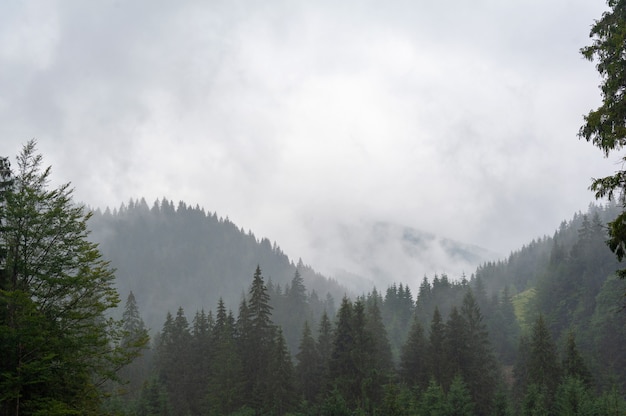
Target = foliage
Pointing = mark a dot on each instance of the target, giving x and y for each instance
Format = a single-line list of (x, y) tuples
[(57, 344), (605, 126)]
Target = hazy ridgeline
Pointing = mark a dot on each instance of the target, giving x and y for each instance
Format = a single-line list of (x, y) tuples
[(411, 347)]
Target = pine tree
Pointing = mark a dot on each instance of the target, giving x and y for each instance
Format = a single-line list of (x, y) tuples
[(543, 366), (281, 395), (456, 342), (433, 401), (343, 368), (480, 369), (308, 369), (257, 341), (57, 344), (324, 349), (173, 362), (413, 362), (200, 350), (573, 364), (134, 334), (459, 400), (436, 353), (224, 385)]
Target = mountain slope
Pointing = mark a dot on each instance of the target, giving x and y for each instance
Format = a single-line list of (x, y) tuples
[(182, 257)]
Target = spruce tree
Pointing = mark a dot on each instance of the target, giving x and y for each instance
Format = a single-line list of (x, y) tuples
[(224, 387), (543, 366), (343, 367), (257, 343), (134, 334), (459, 400), (308, 370), (436, 353), (281, 395), (57, 344), (573, 364), (414, 368), (324, 349), (481, 368)]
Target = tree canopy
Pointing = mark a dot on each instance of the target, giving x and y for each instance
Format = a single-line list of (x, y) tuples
[(57, 344), (605, 126)]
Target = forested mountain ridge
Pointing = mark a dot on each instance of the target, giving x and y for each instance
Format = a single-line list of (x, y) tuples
[(445, 345), (172, 256), (570, 279)]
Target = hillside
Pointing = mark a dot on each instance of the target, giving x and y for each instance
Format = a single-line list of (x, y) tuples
[(172, 257)]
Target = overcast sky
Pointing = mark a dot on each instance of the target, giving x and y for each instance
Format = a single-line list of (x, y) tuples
[(458, 118)]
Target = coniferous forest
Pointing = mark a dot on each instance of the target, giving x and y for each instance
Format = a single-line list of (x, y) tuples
[(538, 333), (218, 322), (541, 332)]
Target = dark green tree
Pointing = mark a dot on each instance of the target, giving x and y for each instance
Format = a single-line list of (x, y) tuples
[(57, 345), (433, 401), (308, 370), (343, 367), (153, 400), (281, 392), (456, 343), (135, 334), (414, 368), (573, 398), (257, 340), (436, 352), (225, 368), (324, 350), (173, 361), (480, 368), (543, 366), (458, 399), (605, 126), (573, 364)]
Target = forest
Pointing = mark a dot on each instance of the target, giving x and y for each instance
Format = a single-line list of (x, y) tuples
[(541, 332), (538, 333)]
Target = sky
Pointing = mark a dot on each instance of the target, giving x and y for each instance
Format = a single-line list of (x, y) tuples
[(292, 118)]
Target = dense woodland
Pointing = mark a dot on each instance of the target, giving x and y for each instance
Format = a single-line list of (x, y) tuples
[(170, 253), (538, 333)]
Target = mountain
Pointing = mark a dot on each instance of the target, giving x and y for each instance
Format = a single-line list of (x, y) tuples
[(381, 253), (172, 257)]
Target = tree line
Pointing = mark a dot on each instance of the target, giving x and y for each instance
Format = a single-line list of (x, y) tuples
[(226, 363)]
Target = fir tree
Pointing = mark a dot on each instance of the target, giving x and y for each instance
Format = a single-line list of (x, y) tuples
[(308, 367), (414, 362)]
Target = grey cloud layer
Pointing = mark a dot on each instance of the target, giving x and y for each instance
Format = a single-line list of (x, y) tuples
[(455, 118)]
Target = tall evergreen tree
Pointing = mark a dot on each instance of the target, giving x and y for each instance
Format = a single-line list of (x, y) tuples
[(225, 377), (456, 342), (281, 395), (308, 369), (414, 368), (173, 362), (481, 368), (436, 352), (543, 366), (573, 364), (257, 343), (459, 400), (134, 334), (325, 349), (343, 368), (57, 344)]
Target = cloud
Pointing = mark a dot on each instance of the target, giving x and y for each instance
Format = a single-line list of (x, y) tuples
[(459, 119)]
